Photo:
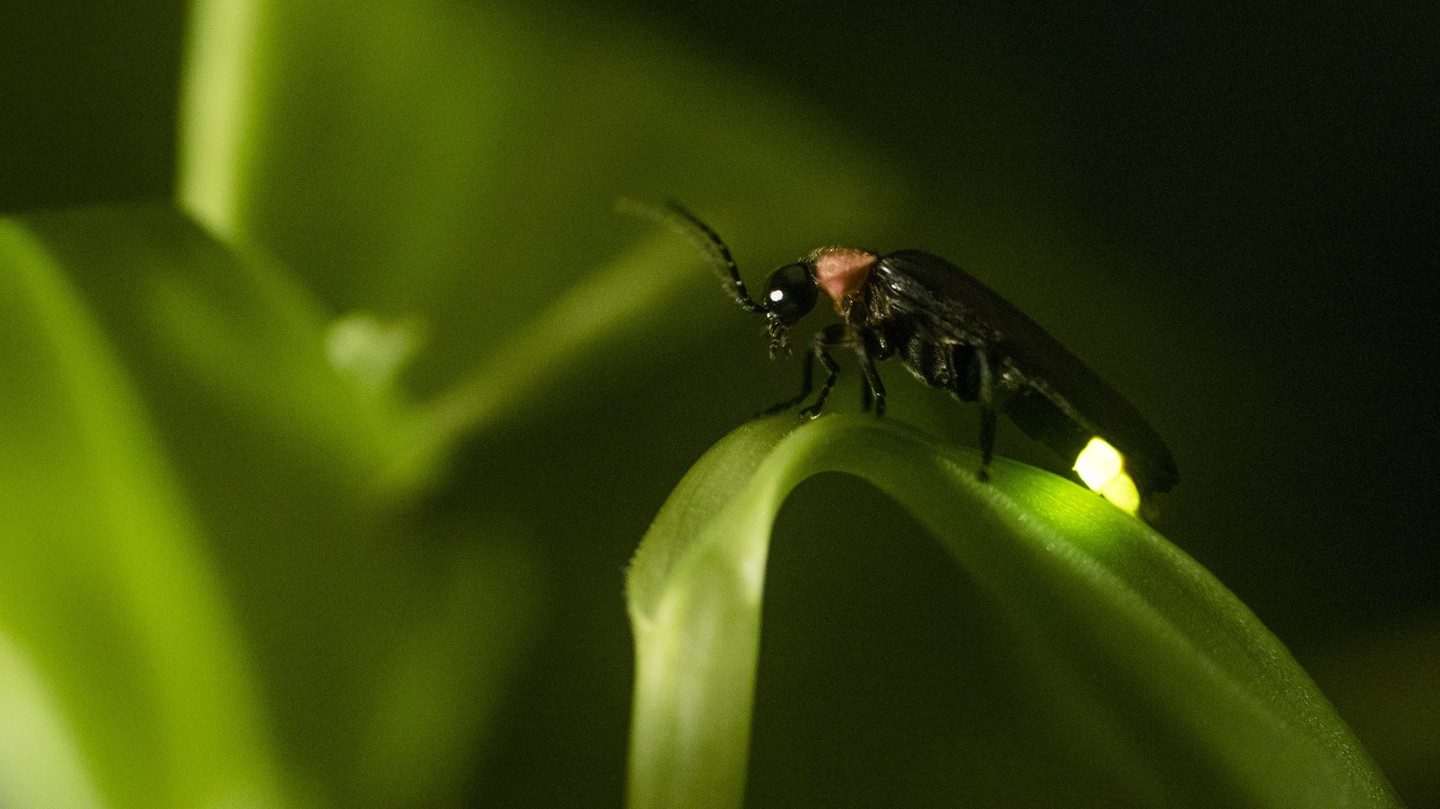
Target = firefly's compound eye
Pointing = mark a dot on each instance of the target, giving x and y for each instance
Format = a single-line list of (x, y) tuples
[(790, 292)]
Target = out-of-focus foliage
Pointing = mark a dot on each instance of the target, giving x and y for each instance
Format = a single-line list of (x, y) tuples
[(234, 573), (143, 692), (319, 481)]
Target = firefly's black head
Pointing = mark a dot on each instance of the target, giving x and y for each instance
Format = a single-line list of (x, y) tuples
[(790, 294), (791, 291)]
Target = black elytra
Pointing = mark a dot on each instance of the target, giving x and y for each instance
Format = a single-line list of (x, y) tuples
[(951, 332)]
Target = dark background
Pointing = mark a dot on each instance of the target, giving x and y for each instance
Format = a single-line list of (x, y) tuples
[(1267, 174)]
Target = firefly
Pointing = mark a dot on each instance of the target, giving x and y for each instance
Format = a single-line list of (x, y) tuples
[(951, 332)]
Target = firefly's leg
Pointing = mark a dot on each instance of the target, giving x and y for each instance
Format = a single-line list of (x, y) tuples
[(987, 413), (830, 335), (872, 387)]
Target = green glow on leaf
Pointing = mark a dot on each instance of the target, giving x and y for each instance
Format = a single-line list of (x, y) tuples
[(1122, 492)]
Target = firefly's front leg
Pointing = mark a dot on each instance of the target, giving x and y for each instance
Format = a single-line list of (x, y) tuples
[(831, 335)]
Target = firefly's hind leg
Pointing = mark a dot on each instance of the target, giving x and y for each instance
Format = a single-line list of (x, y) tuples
[(972, 382), (987, 413)]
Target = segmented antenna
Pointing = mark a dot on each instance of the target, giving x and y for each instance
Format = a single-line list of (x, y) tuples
[(678, 219)]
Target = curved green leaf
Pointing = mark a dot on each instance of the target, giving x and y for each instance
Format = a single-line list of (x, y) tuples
[(1164, 679)]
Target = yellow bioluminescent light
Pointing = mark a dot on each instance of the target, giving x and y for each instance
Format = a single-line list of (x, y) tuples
[(1103, 469), (1098, 463)]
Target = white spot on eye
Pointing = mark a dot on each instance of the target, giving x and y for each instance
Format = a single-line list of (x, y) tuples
[(777, 295)]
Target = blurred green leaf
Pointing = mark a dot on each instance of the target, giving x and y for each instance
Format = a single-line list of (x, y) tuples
[(228, 472), (107, 593), (1161, 679), (463, 161), (398, 163)]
